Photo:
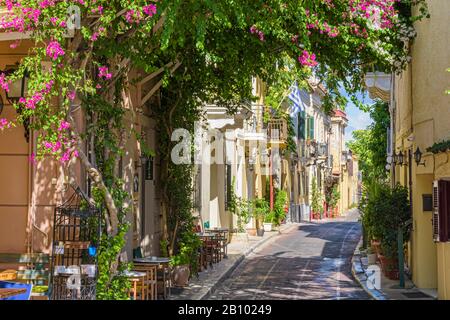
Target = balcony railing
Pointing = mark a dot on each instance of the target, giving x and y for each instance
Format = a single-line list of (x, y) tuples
[(277, 132)]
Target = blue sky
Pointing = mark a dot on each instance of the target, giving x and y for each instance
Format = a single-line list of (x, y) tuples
[(357, 119)]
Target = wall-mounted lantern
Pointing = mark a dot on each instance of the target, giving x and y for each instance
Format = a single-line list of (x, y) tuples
[(400, 159), (418, 157), (18, 88)]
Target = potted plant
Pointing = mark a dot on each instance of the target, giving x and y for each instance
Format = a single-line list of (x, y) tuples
[(268, 221), (240, 208), (316, 201), (186, 259), (180, 270), (279, 206), (385, 211), (260, 211)]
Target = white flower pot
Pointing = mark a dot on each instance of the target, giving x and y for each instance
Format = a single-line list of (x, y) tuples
[(372, 258), (267, 226)]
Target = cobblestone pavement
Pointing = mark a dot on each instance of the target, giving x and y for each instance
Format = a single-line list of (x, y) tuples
[(311, 262)]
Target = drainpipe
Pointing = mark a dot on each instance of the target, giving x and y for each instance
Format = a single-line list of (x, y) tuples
[(271, 179)]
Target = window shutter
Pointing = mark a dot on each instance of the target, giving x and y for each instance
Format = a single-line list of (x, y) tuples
[(436, 227), (441, 192), (301, 125), (444, 210), (311, 128)]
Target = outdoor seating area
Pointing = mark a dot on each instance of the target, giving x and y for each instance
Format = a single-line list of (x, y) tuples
[(214, 247), (151, 278)]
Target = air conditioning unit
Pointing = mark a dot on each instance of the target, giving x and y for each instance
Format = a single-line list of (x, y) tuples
[(436, 226)]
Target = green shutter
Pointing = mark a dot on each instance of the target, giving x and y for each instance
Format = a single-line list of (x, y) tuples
[(310, 127)]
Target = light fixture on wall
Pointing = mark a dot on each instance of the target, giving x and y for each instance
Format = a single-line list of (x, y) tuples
[(418, 157), (17, 88), (401, 159)]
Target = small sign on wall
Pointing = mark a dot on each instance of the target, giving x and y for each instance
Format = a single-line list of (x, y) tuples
[(427, 202)]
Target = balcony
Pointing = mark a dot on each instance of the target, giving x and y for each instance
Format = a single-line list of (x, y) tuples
[(379, 85), (277, 132), (322, 150), (252, 128)]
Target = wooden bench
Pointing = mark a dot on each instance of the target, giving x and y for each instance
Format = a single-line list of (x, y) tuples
[(26, 268)]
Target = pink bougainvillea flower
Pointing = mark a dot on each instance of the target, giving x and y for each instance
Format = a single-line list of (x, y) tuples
[(3, 83), (71, 95), (64, 125), (307, 59), (149, 10), (65, 157), (54, 50), (133, 16), (103, 72), (4, 123)]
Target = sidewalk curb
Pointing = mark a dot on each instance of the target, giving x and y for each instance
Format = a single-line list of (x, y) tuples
[(208, 291), (358, 276)]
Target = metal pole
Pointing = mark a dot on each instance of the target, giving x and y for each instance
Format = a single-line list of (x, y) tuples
[(271, 180), (401, 264)]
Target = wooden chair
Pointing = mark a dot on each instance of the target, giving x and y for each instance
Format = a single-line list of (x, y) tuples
[(151, 281), (138, 284), (211, 250)]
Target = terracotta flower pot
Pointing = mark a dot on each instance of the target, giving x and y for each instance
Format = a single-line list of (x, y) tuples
[(389, 267), (180, 275), (251, 232)]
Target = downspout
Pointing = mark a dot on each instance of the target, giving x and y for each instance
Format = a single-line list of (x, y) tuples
[(30, 219)]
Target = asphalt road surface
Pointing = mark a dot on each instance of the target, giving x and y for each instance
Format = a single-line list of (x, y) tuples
[(312, 261)]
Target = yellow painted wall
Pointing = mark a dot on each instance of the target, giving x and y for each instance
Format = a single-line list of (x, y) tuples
[(423, 253), (423, 115)]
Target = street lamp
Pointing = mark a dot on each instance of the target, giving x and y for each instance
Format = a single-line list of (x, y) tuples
[(418, 157)]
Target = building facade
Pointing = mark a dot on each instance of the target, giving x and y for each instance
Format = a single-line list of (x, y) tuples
[(420, 113)]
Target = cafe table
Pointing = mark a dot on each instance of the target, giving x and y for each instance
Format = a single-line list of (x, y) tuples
[(161, 262), (11, 292)]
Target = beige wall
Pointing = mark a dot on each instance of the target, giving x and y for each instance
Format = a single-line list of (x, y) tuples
[(27, 192)]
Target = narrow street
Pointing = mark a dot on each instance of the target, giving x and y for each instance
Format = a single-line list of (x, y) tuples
[(311, 262)]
